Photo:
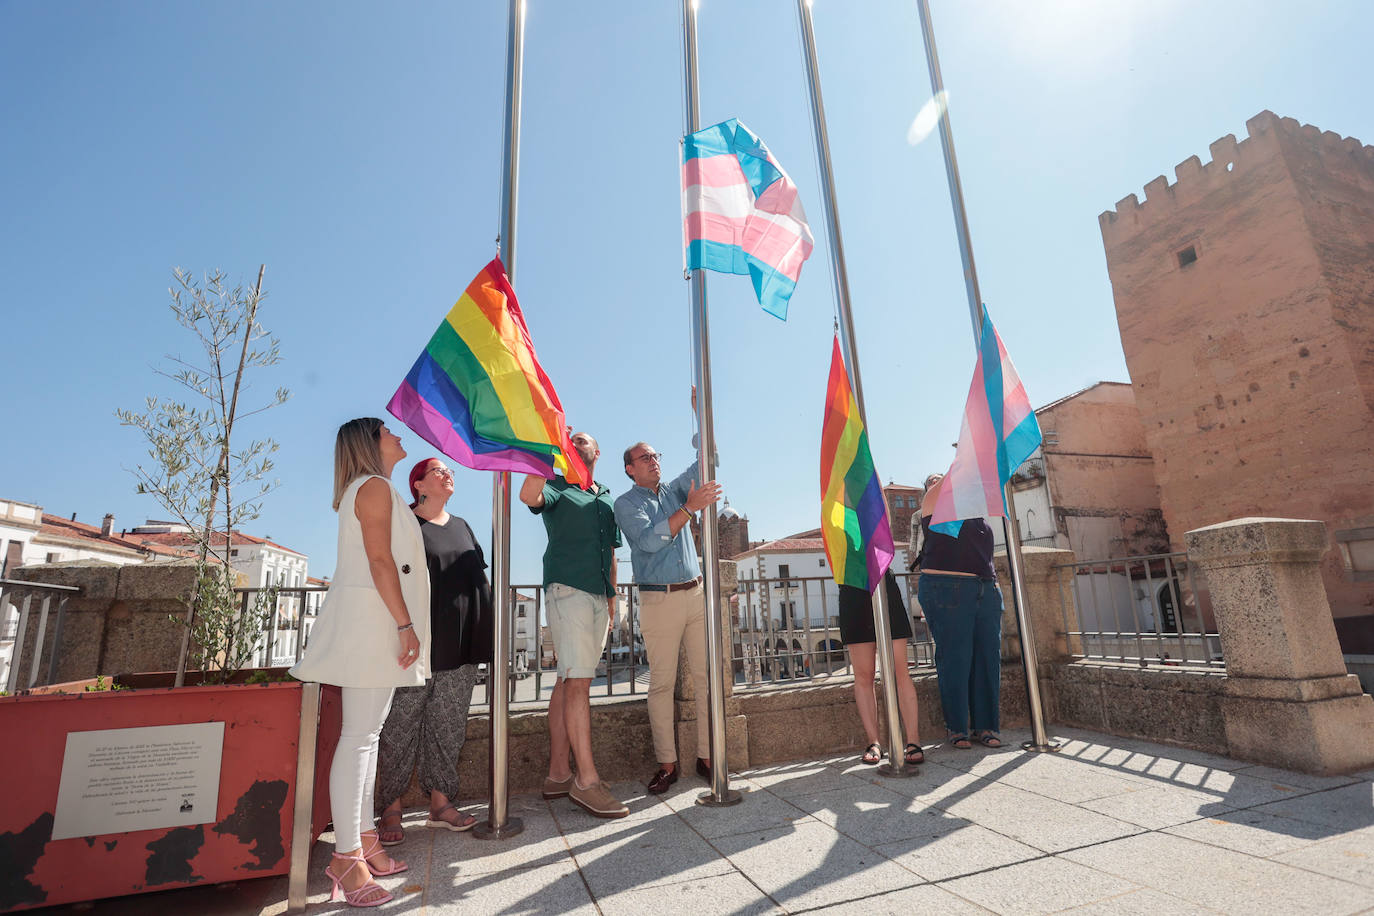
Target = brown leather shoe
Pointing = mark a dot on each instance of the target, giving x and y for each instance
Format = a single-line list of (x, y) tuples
[(555, 789), (596, 799), (703, 769), (662, 780)]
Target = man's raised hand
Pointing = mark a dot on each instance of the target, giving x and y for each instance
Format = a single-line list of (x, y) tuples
[(702, 496)]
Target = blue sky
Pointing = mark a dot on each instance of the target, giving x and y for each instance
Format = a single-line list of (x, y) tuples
[(355, 149)]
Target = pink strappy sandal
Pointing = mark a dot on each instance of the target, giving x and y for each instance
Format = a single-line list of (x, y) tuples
[(368, 894), (372, 847)]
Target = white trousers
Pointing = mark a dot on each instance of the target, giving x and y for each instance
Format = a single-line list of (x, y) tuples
[(353, 775)]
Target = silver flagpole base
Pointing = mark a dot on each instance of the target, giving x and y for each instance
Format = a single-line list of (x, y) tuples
[(727, 798), (896, 771), (1032, 747), (510, 828)]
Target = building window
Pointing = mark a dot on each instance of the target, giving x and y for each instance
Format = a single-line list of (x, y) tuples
[(1357, 552), (1187, 256), (822, 563), (784, 570), (52, 558), (234, 552)]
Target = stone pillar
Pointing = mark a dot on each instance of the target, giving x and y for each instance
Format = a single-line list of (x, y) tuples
[(1289, 700), (1045, 609)]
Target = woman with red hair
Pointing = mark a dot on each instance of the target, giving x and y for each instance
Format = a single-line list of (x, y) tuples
[(427, 725)]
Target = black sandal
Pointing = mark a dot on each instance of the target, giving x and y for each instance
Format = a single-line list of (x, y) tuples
[(913, 754), (989, 739), (873, 751)]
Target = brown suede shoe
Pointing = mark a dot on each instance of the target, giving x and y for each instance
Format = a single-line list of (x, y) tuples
[(555, 789), (597, 800), (662, 780)]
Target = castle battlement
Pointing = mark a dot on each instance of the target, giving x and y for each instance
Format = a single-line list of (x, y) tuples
[(1193, 179)]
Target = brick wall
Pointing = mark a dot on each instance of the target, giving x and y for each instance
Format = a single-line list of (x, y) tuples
[(1101, 473), (1253, 365)]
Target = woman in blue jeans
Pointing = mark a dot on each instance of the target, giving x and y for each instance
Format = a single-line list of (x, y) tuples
[(963, 608)]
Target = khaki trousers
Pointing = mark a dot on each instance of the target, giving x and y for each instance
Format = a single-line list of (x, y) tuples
[(669, 620)]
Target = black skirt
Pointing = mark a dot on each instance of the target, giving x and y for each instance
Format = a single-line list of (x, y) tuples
[(856, 613)]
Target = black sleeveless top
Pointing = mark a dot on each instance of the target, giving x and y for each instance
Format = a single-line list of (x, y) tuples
[(970, 552), (460, 612)]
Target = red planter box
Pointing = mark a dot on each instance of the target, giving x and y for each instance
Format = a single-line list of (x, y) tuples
[(249, 838)]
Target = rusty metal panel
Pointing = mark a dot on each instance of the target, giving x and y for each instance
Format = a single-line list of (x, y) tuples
[(251, 834)]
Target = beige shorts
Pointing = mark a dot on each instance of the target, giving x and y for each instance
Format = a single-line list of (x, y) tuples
[(578, 621)]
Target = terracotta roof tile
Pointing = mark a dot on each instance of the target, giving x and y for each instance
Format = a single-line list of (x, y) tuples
[(791, 544), (182, 541), (58, 526)]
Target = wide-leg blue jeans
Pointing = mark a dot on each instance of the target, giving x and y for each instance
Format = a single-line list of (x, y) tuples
[(965, 617)]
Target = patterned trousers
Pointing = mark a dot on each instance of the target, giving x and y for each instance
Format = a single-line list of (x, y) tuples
[(426, 728)]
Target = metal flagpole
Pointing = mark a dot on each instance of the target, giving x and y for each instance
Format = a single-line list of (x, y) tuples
[(499, 824), (896, 765), (721, 794), (1039, 739)]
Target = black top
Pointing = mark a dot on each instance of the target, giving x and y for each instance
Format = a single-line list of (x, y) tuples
[(970, 552), (460, 612)]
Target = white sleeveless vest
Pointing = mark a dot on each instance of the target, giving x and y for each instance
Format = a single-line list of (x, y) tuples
[(354, 642)]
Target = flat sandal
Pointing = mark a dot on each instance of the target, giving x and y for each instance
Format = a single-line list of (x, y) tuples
[(437, 821)]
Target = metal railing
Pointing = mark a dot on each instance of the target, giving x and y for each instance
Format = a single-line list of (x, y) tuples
[(784, 631), (12, 660), (789, 629), (1148, 610), (622, 671), (292, 615)]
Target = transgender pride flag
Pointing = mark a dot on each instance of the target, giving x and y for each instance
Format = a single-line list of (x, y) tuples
[(999, 432), (740, 212)]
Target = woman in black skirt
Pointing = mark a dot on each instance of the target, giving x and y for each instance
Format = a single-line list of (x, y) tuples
[(856, 631), (428, 724)]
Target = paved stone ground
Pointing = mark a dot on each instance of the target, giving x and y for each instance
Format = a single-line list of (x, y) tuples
[(1108, 825)]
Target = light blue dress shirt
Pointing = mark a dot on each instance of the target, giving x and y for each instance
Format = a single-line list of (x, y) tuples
[(657, 556)]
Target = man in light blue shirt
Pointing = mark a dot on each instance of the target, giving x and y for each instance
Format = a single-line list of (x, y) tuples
[(654, 518)]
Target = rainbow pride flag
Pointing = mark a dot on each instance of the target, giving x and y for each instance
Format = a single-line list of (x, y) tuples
[(740, 213), (999, 432), (478, 394), (858, 540)]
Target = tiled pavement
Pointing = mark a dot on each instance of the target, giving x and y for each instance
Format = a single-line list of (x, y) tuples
[(1108, 825)]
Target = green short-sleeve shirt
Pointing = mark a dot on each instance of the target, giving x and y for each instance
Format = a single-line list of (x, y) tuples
[(582, 536)]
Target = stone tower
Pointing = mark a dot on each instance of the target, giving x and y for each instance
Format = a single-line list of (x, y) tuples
[(1245, 299), (902, 503), (732, 532)]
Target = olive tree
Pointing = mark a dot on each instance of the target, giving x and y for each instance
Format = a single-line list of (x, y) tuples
[(200, 469)]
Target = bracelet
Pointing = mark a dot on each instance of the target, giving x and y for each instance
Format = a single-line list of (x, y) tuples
[(408, 626), (686, 511)]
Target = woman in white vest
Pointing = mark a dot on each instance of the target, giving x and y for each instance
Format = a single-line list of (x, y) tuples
[(372, 636)]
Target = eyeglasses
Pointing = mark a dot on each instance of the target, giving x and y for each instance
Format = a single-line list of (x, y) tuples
[(654, 457), (440, 470)]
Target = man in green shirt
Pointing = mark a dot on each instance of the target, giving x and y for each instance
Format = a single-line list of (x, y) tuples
[(580, 600)]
